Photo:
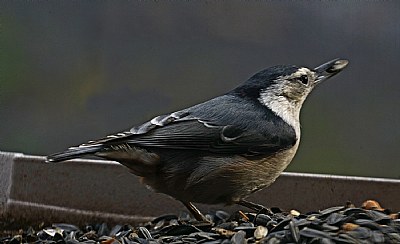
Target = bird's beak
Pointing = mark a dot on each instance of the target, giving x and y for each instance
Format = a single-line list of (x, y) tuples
[(329, 69)]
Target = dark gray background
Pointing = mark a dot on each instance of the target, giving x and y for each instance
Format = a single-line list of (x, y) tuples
[(72, 70)]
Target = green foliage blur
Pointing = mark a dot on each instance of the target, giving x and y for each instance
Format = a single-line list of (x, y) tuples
[(71, 71)]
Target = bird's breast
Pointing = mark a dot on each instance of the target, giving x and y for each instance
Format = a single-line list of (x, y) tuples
[(216, 179), (237, 177), (265, 171)]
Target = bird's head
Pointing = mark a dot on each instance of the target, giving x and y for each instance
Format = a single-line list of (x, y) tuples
[(288, 81), (284, 88)]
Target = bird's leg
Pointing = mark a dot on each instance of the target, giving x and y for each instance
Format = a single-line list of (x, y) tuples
[(254, 206), (195, 212)]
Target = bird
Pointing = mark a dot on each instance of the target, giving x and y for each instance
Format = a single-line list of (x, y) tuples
[(221, 150)]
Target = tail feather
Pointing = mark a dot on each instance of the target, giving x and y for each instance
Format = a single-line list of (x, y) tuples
[(74, 152)]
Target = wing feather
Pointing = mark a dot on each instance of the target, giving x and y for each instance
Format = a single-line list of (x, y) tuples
[(196, 134), (222, 130)]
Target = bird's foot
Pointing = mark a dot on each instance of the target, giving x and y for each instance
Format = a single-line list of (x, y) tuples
[(195, 212), (260, 209)]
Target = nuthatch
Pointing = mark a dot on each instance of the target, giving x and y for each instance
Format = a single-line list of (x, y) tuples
[(221, 150)]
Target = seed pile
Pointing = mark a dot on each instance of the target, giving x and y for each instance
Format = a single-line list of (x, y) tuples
[(342, 224)]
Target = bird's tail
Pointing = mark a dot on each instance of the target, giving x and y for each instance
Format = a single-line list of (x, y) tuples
[(74, 152)]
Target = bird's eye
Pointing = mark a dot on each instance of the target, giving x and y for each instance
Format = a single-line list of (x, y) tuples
[(303, 79)]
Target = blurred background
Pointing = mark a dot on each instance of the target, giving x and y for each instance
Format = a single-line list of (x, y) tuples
[(77, 70)]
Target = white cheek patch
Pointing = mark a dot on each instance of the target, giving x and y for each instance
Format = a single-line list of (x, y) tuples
[(301, 71)]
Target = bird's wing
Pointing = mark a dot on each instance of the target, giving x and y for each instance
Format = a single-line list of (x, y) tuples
[(181, 130), (216, 131)]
